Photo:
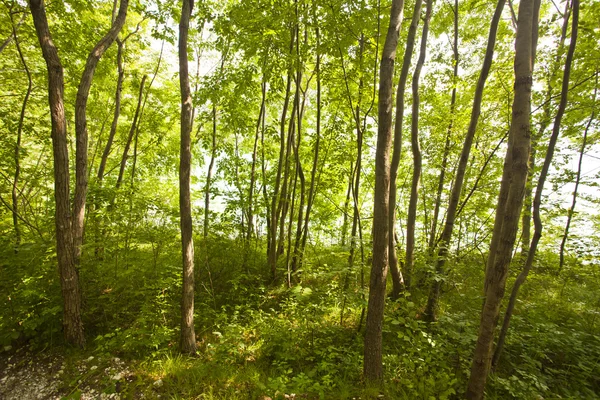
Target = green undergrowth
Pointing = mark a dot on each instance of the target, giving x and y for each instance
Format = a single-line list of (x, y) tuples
[(258, 339)]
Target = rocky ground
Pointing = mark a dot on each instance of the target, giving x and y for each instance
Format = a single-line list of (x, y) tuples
[(30, 376)]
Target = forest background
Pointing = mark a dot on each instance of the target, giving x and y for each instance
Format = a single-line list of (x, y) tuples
[(232, 180)]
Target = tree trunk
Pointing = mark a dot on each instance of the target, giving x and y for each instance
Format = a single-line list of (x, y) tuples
[(347, 203), (296, 259), (358, 171), (313, 173), (117, 113), (373, 358), (188, 337), (526, 219), (442, 177), (537, 220), (13, 33), (397, 278), (69, 278), (416, 150), (286, 194), (264, 182), (131, 135), (261, 115), (275, 205), (81, 134), (444, 242), (15, 194), (510, 201), (571, 211)]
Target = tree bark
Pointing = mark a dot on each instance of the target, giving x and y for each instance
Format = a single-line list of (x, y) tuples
[(528, 202), (571, 211), (297, 257), (358, 166), (132, 130), (313, 173), (117, 113), (188, 337), (373, 358), (69, 277), (444, 242), (261, 115), (12, 35), (15, 191), (442, 177), (537, 220), (347, 203), (81, 134), (397, 278), (275, 205), (416, 150), (510, 201)]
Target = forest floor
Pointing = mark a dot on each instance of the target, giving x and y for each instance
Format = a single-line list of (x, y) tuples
[(26, 375)]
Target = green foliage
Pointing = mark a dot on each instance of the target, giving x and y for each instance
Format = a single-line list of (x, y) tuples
[(30, 307)]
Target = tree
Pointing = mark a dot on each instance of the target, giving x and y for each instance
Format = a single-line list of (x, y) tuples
[(537, 220), (69, 277), (455, 196), (416, 150), (510, 200), (373, 358), (188, 336), (397, 279)]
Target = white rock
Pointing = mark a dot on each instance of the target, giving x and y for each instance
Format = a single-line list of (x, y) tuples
[(158, 383), (89, 359)]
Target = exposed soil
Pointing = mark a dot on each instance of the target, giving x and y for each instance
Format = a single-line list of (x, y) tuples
[(31, 376)]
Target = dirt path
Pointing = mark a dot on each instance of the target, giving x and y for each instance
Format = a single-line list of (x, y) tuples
[(30, 376)]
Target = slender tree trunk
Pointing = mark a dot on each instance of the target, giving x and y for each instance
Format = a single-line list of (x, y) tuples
[(313, 173), (117, 113), (297, 257), (480, 175), (15, 191), (264, 181), (275, 205), (81, 134), (444, 166), (69, 277), (356, 175), (444, 242), (130, 137), (416, 150), (526, 219), (571, 211), (261, 115), (537, 220), (347, 203), (188, 337), (373, 357), (397, 278), (288, 236), (15, 28), (213, 151), (286, 194), (510, 200)]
